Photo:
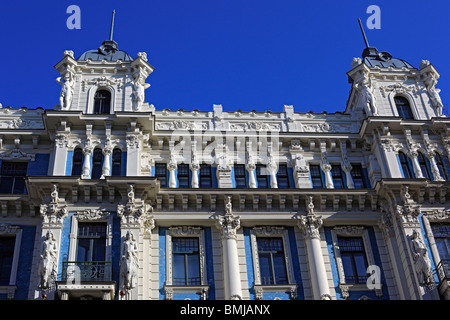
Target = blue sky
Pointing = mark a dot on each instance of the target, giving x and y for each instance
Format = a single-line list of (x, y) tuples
[(243, 54)]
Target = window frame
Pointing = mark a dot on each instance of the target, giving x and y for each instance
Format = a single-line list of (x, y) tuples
[(357, 178), (284, 177), (275, 232), (97, 165), (401, 111), (314, 177), (405, 164), (261, 176), (337, 178), (161, 177), (424, 166), (78, 164), (205, 177), (352, 231), (116, 163), (440, 165), (102, 110), (241, 176), (184, 175), (14, 174), (185, 232), (8, 230)]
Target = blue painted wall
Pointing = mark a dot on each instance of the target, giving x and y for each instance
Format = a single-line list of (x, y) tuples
[(39, 167)]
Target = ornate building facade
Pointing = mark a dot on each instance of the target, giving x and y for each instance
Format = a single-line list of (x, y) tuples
[(107, 197)]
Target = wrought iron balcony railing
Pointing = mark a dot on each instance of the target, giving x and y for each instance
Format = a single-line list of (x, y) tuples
[(86, 271), (443, 270)]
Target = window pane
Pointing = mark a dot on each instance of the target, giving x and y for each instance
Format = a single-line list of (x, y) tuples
[(282, 176), (13, 177), (77, 162), (6, 257), (183, 176), (423, 165), (261, 176), (357, 176), (405, 165), (336, 174), (205, 176), (349, 272), (161, 174), (265, 268), (403, 107), (179, 271), (97, 163), (239, 175), (116, 163), (316, 176), (193, 267), (102, 102), (280, 268)]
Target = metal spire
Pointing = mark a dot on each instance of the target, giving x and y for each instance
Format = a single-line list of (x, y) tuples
[(364, 35), (112, 26)]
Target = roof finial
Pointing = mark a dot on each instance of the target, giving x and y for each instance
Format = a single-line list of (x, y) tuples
[(112, 26), (364, 35)]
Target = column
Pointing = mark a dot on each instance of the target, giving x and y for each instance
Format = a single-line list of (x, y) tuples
[(251, 167), (194, 171), (172, 167), (326, 168), (87, 152), (348, 174), (434, 168), (60, 156), (415, 163), (228, 225), (106, 170), (272, 168), (310, 225)]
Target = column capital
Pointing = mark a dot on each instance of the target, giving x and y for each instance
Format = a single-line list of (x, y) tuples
[(310, 225), (228, 224)]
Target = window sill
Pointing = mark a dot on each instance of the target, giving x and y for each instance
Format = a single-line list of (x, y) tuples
[(201, 289), (346, 287), (10, 290), (261, 288)]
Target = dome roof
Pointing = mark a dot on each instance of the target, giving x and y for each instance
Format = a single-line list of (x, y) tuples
[(107, 51), (373, 58)]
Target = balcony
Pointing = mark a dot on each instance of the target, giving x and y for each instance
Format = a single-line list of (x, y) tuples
[(86, 280), (86, 271), (443, 272)]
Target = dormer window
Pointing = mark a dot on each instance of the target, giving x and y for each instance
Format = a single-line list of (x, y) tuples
[(102, 102), (403, 108)]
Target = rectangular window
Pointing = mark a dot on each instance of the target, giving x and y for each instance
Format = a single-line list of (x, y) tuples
[(441, 233), (239, 176), (183, 175), (6, 258), (186, 261), (261, 176), (282, 176), (116, 163), (316, 176), (358, 176), (91, 241), (13, 177), (205, 176), (161, 174), (353, 259), (336, 175), (272, 263)]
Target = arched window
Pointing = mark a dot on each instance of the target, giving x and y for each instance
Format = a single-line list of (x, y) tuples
[(77, 162), (404, 163), (102, 102), (423, 166), (97, 163), (440, 165), (116, 162), (403, 107)]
